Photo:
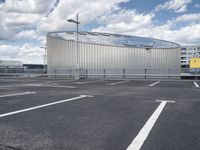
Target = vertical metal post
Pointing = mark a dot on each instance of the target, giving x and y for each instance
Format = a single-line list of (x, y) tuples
[(124, 73), (145, 72), (70, 73), (86, 73), (104, 72), (77, 69), (77, 76)]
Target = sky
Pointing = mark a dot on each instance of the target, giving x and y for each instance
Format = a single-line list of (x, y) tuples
[(25, 23)]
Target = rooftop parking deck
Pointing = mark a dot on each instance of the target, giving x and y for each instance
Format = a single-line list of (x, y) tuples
[(94, 114)]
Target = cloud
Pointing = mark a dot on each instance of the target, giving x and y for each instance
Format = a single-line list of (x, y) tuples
[(28, 6), (14, 22), (49, 15), (27, 34), (124, 21), (183, 36), (188, 18), (184, 29), (178, 6), (26, 53), (88, 11), (31, 19), (5, 33)]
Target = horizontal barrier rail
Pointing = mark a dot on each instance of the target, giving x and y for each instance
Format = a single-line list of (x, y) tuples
[(105, 73)]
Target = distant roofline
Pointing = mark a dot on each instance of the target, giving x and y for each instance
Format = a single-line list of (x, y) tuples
[(113, 34), (189, 46)]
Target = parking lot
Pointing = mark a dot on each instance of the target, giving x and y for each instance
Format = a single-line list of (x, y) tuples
[(64, 114)]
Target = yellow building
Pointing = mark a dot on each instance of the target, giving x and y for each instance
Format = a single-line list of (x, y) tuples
[(194, 62)]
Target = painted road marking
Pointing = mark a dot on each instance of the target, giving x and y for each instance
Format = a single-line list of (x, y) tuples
[(154, 83), (120, 82), (144, 132), (60, 86), (44, 105), (195, 83), (84, 82), (55, 86), (17, 94)]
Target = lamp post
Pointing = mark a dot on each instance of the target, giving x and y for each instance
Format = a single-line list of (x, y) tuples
[(77, 74), (12, 57)]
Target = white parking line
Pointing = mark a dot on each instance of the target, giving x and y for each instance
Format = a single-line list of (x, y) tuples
[(45, 105), (55, 86), (144, 132), (17, 94), (154, 83), (120, 82), (84, 82), (60, 86), (195, 83)]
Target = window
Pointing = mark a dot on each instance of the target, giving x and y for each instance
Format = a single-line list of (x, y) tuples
[(184, 49), (183, 53)]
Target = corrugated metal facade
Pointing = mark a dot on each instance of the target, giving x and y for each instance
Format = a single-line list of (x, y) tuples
[(62, 55)]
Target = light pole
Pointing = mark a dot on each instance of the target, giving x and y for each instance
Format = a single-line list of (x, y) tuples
[(12, 57), (77, 74)]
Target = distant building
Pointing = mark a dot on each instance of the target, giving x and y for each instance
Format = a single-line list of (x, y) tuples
[(104, 54), (34, 66), (10, 64), (188, 52)]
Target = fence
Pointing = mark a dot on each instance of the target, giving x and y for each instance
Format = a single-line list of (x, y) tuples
[(101, 73)]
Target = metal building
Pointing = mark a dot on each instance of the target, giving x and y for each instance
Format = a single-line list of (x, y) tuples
[(111, 55)]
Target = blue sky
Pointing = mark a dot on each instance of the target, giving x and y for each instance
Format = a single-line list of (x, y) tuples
[(25, 23)]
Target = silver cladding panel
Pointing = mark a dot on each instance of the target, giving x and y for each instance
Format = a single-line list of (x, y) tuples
[(62, 55)]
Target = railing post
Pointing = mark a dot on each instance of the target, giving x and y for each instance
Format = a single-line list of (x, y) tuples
[(55, 72), (124, 72), (86, 72), (29, 74), (145, 72), (70, 73), (196, 74), (104, 72)]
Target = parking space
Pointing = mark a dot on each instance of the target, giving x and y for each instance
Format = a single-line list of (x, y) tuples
[(176, 84), (99, 114)]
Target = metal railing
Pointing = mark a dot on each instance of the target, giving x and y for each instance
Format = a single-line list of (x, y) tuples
[(101, 73)]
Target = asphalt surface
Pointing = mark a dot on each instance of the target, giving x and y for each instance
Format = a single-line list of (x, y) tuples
[(110, 120)]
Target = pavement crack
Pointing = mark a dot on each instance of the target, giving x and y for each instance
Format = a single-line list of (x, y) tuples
[(5, 147)]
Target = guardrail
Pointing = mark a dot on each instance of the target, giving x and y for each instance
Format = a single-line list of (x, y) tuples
[(101, 73)]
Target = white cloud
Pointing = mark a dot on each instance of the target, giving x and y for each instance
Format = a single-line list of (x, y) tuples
[(28, 6), (49, 15), (188, 18), (31, 19), (133, 23), (88, 11), (5, 33), (124, 21), (26, 53), (178, 6), (16, 22), (27, 34), (183, 36)]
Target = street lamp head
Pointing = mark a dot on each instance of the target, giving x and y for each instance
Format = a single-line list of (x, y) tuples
[(72, 20)]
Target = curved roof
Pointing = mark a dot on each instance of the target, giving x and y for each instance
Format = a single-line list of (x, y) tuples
[(113, 39)]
